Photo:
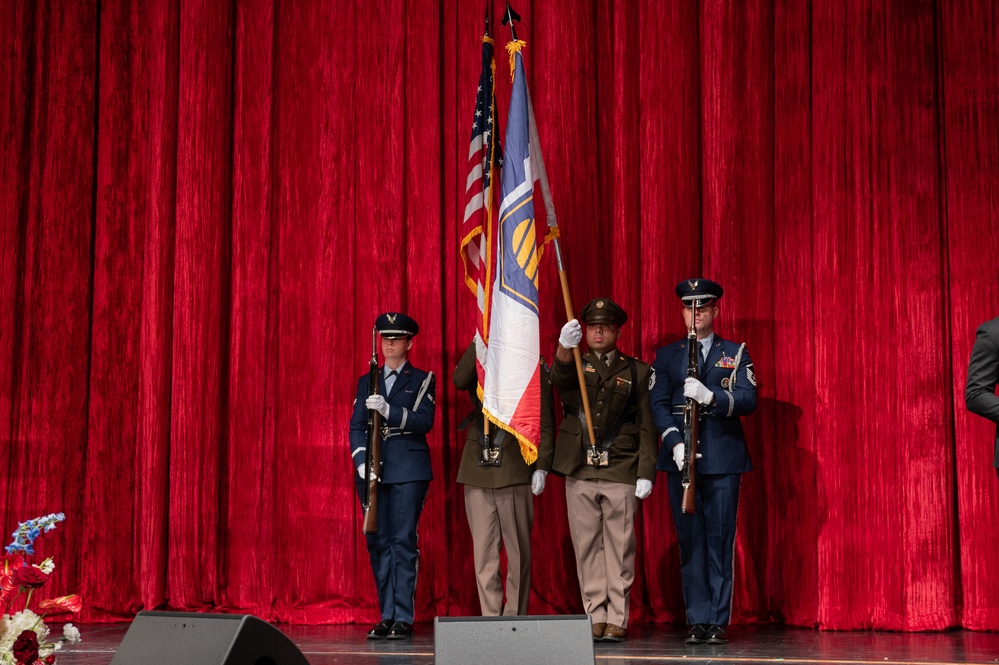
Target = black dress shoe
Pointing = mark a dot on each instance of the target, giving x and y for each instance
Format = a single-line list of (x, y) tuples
[(697, 634), (380, 630), (401, 631), (717, 635)]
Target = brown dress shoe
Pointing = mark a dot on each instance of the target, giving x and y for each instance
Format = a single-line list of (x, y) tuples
[(598, 631), (614, 633)]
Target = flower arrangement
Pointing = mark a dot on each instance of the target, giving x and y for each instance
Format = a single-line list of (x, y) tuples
[(24, 637)]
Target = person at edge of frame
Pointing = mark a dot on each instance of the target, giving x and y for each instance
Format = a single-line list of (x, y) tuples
[(983, 376)]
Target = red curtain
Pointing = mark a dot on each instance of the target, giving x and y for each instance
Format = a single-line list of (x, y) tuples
[(205, 205)]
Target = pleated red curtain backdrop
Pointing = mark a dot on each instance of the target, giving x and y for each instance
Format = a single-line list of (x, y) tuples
[(205, 205)]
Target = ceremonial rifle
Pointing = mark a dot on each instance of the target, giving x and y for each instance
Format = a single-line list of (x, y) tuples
[(373, 454), (691, 418)]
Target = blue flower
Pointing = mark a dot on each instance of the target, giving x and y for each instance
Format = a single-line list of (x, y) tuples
[(27, 532)]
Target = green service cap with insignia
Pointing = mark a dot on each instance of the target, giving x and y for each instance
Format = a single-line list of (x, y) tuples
[(395, 325), (603, 310), (700, 289)]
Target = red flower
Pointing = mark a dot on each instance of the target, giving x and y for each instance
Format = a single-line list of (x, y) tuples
[(29, 576), (8, 566), (50, 659), (26, 647), (73, 603)]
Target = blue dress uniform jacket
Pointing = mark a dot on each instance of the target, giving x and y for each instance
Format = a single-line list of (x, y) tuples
[(722, 442), (405, 453), (706, 538), (405, 478)]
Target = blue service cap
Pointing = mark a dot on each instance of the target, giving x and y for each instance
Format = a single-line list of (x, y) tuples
[(394, 325), (700, 289)]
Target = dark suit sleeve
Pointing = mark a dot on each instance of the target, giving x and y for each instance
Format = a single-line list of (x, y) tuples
[(648, 439), (465, 376), (420, 418), (668, 427), (739, 399), (359, 423), (564, 375), (546, 449), (983, 374)]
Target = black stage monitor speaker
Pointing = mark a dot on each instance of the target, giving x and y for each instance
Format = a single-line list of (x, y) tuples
[(523, 640), (181, 638)]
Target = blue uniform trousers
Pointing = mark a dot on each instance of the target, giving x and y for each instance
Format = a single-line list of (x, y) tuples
[(394, 556), (706, 540)]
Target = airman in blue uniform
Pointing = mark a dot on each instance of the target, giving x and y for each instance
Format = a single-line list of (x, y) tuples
[(725, 389), (406, 403)]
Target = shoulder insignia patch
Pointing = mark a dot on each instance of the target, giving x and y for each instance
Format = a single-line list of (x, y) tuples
[(750, 374), (652, 378)]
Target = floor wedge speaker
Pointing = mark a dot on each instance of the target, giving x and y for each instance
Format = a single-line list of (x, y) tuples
[(522, 640), (181, 638)]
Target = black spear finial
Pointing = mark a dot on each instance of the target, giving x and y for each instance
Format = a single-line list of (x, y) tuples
[(509, 16)]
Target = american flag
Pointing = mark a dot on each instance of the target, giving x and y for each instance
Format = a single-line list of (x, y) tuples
[(477, 233)]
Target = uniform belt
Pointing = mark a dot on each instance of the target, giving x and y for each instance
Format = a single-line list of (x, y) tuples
[(389, 432)]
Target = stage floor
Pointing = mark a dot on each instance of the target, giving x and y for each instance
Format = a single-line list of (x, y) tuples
[(647, 644)]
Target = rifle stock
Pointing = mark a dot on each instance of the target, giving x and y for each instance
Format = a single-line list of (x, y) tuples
[(691, 420), (373, 454)]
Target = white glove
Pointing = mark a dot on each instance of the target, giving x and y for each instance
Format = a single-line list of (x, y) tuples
[(377, 403), (697, 391), (538, 482), (571, 333), (360, 472), (678, 451), (643, 488)]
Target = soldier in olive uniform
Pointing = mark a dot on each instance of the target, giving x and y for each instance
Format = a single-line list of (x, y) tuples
[(498, 500), (603, 484)]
